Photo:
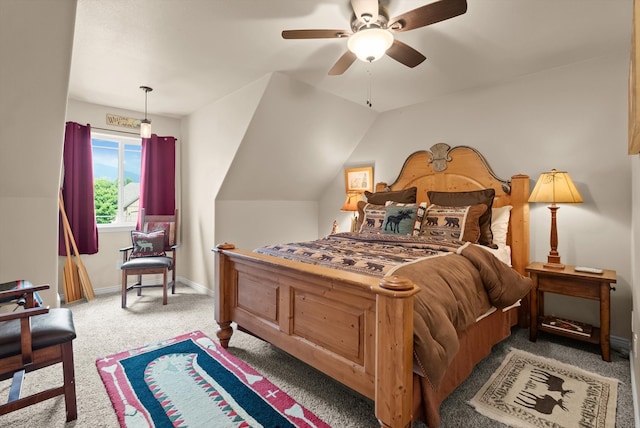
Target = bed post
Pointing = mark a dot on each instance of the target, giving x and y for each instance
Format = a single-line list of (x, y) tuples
[(222, 305), (520, 234), (394, 352), (520, 224)]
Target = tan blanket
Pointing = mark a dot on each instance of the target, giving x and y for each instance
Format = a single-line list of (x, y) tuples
[(455, 289)]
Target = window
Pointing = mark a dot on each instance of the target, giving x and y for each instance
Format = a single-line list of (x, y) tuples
[(116, 178)]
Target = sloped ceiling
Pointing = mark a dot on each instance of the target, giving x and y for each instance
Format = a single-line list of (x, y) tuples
[(295, 144), (194, 52)]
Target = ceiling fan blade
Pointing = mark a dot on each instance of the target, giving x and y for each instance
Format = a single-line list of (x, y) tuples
[(314, 34), (405, 54), (365, 10), (428, 14), (343, 63)]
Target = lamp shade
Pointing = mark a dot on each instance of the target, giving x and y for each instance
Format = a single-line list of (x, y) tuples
[(351, 202), (370, 44), (555, 186)]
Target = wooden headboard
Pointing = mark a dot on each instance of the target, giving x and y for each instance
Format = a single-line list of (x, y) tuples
[(462, 168)]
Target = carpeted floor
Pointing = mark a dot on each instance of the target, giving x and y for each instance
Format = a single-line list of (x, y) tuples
[(104, 328)]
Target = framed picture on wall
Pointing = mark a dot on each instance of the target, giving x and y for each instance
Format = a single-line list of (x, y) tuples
[(357, 180)]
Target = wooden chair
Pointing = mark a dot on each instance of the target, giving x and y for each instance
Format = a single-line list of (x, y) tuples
[(32, 339), (137, 261)]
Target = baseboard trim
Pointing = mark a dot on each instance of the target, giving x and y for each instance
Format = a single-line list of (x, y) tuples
[(634, 390), (620, 343), (198, 287), (201, 289)]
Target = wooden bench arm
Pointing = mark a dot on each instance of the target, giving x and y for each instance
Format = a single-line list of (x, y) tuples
[(28, 294), (8, 316), (8, 294)]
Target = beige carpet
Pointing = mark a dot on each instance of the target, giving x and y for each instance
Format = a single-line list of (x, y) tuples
[(532, 391)]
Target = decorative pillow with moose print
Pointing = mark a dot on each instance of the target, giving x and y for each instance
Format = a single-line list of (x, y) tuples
[(400, 219), (147, 244), (373, 218), (453, 223)]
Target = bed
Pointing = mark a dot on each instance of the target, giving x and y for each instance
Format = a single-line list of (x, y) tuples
[(359, 328)]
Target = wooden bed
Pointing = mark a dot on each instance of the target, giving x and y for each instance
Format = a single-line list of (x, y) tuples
[(356, 328)]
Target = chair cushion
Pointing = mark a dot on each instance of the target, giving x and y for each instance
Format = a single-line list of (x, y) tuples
[(49, 329), (148, 262)]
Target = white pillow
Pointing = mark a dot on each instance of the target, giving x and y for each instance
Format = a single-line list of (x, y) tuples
[(500, 224)]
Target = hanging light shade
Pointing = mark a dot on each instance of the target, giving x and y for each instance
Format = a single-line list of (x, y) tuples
[(370, 44), (145, 124)]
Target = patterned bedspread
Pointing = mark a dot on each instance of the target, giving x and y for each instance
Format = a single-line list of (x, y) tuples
[(375, 255)]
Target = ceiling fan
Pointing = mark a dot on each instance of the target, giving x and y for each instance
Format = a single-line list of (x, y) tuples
[(371, 35)]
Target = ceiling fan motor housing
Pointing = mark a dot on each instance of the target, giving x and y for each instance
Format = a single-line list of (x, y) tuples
[(358, 24)]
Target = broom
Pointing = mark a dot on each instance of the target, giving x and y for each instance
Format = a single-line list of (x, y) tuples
[(85, 281)]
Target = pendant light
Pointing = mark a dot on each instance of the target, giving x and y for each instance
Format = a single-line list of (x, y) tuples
[(145, 124)]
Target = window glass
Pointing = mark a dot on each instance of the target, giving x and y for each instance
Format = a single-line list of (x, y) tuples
[(116, 178)]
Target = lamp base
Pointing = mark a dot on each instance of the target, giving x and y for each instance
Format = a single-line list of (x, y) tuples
[(558, 266), (553, 260)]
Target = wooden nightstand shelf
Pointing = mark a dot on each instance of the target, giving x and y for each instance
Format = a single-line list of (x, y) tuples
[(577, 284)]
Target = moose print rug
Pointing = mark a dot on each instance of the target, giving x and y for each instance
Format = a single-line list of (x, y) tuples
[(532, 391)]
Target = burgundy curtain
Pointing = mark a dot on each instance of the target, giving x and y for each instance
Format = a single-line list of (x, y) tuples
[(77, 190), (158, 176)]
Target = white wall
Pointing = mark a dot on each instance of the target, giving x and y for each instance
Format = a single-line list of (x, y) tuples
[(266, 222), (96, 115), (635, 273), (572, 118), (298, 137), (33, 94), (212, 136)]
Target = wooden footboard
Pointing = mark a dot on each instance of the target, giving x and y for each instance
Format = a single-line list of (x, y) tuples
[(355, 328)]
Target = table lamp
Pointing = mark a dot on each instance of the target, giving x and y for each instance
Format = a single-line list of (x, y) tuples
[(555, 186), (351, 204)]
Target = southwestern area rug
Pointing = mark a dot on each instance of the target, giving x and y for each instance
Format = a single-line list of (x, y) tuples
[(532, 391), (190, 381)]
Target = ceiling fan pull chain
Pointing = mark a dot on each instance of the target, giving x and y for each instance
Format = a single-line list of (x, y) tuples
[(369, 103)]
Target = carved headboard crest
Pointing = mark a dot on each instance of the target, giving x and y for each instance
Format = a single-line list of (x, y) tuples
[(439, 156)]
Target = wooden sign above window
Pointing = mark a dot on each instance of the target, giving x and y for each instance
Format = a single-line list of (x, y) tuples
[(124, 122)]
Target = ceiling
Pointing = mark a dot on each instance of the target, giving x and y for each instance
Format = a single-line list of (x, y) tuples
[(193, 52)]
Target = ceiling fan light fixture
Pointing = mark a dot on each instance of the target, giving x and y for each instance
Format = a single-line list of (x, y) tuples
[(370, 44)]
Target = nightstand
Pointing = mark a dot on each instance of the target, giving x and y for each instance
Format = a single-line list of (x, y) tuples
[(576, 284)]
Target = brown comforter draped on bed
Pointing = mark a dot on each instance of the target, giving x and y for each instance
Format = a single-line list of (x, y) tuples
[(454, 291), (457, 285)]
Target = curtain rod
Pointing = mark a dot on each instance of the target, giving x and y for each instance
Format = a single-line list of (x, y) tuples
[(117, 130)]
